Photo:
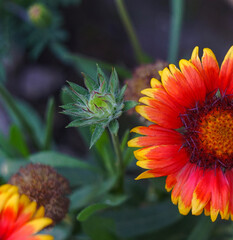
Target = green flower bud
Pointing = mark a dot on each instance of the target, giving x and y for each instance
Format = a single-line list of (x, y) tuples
[(39, 15), (99, 105)]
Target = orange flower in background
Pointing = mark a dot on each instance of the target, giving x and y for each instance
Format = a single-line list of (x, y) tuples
[(192, 138), (19, 217)]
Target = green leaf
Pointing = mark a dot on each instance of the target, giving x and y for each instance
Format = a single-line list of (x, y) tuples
[(129, 104), (7, 148), (133, 222), (111, 201), (114, 81), (99, 228), (34, 120), (17, 140), (83, 196), (78, 98), (89, 82), (65, 95), (81, 123), (102, 79), (78, 89), (114, 126), (125, 139), (202, 230), (178, 231), (121, 94), (49, 123), (80, 114), (56, 159), (79, 177), (99, 129), (90, 210), (74, 107), (24, 116), (91, 193), (114, 200), (100, 75)]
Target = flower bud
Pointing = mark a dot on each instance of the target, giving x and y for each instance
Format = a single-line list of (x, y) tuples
[(39, 15), (99, 105), (102, 105)]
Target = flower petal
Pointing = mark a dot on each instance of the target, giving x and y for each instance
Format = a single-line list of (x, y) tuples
[(194, 79), (170, 182), (226, 73), (202, 193), (181, 178), (160, 114), (186, 87), (209, 68), (229, 175), (162, 160), (160, 95), (155, 83), (213, 188), (161, 136), (163, 108), (176, 86), (195, 60), (186, 193), (41, 237), (30, 228), (9, 215), (39, 213), (24, 201), (25, 215), (220, 196)]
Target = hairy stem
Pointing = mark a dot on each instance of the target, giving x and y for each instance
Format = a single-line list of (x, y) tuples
[(120, 163)]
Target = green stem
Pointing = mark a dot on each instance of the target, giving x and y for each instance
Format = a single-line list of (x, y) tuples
[(120, 162), (25, 125), (140, 56), (49, 124), (177, 9)]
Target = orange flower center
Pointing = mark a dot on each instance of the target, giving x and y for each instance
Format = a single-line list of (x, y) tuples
[(216, 133), (209, 133)]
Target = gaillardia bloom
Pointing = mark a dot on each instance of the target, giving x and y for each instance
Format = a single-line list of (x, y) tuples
[(20, 219), (192, 138)]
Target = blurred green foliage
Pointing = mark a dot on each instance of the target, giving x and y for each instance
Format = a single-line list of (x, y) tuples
[(15, 24)]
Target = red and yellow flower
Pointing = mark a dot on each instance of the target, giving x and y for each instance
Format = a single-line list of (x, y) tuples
[(20, 219), (192, 138)]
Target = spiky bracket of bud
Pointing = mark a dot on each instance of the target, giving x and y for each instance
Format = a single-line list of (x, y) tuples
[(100, 105)]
